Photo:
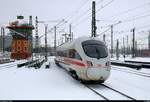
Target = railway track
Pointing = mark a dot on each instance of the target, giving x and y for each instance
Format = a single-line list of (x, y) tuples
[(103, 91), (132, 72), (97, 93), (110, 93)]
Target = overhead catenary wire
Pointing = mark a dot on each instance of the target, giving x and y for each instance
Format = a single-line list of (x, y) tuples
[(136, 18), (83, 14), (133, 19), (129, 10), (129, 20), (141, 16), (69, 17), (91, 14), (88, 10), (77, 11), (123, 21)]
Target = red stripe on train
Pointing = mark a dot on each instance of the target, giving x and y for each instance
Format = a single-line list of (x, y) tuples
[(74, 62)]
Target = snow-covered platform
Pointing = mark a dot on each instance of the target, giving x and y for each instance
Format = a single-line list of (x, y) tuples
[(56, 84)]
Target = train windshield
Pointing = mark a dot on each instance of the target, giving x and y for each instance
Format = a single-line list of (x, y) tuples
[(95, 49)]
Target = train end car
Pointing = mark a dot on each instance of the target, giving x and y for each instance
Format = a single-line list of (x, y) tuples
[(86, 58)]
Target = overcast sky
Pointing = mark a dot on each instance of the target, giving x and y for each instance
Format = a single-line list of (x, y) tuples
[(77, 12)]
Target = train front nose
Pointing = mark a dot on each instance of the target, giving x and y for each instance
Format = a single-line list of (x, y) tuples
[(98, 73)]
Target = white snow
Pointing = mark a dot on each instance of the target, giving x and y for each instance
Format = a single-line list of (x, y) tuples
[(56, 84), (42, 84), (131, 84)]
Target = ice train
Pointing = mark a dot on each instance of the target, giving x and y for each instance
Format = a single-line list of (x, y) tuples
[(85, 58)]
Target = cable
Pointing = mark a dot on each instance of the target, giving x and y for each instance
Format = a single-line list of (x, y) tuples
[(103, 20), (87, 11), (140, 17), (69, 17), (81, 6), (104, 6), (129, 10), (96, 12)]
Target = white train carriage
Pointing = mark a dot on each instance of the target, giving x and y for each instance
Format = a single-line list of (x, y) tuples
[(86, 58)]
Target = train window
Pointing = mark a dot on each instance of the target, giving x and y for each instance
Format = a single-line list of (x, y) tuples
[(65, 53), (95, 49), (77, 56), (74, 54)]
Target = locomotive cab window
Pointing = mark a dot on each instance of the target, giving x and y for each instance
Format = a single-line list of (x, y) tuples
[(95, 49)]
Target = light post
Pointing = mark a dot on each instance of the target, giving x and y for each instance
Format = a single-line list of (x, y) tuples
[(49, 31)]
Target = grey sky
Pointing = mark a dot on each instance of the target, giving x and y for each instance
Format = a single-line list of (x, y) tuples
[(74, 11)]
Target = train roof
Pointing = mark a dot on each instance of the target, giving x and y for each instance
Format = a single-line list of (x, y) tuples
[(75, 42)]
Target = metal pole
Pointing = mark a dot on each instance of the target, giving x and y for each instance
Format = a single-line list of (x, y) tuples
[(123, 48), (93, 19), (70, 32), (111, 41), (117, 50), (3, 40), (36, 35), (127, 45), (31, 40), (55, 40), (135, 51), (133, 44), (46, 42), (65, 35)]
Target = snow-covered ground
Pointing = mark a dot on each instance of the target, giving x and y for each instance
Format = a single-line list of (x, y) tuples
[(131, 84), (55, 84), (41, 84)]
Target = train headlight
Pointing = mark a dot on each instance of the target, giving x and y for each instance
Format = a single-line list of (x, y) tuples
[(89, 64)]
